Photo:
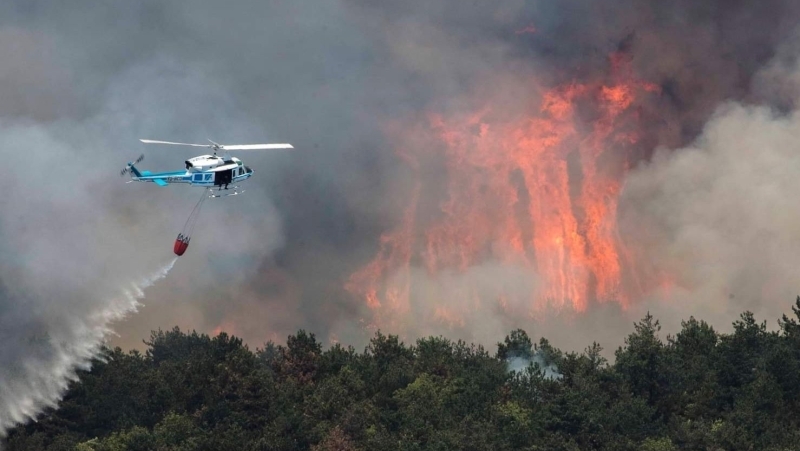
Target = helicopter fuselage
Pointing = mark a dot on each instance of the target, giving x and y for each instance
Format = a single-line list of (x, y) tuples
[(206, 171)]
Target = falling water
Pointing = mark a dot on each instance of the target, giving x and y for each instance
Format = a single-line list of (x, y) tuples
[(44, 381)]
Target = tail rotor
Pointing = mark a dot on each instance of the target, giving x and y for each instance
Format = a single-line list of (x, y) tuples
[(130, 165)]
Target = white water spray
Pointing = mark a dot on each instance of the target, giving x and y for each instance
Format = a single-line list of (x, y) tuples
[(41, 382)]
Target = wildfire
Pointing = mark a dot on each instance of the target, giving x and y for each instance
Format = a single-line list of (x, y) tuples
[(538, 192)]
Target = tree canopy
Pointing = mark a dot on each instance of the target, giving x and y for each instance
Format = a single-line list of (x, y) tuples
[(697, 390)]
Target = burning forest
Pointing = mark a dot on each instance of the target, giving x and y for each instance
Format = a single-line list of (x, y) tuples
[(461, 169), (535, 190), (522, 198)]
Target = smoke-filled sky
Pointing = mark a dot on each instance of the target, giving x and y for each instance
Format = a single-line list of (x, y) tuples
[(710, 199)]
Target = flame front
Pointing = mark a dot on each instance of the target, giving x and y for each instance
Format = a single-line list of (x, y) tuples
[(538, 191)]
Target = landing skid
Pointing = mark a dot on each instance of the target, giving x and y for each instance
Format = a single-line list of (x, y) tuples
[(213, 193)]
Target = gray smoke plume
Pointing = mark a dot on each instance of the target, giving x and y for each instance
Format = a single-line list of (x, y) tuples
[(721, 215), (82, 81), (73, 236)]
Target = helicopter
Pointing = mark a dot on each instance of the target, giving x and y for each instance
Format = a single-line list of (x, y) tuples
[(207, 171)]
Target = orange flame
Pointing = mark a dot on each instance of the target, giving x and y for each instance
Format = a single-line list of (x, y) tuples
[(538, 192)]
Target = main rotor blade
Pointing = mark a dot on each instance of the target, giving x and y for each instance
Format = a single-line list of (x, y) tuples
[(258, 146), (150, 141)]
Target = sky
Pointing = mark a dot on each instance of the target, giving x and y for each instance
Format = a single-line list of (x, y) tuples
[(81, 82)]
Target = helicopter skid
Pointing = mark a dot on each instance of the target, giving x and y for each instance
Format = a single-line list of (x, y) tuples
[(224, 192)]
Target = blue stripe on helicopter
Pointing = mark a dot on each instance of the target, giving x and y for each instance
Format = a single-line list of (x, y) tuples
[(160, 182), (169, 174)]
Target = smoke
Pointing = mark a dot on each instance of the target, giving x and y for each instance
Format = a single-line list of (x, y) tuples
[(521, 364), (72, 233), (81, 82), (699, 57), (721, 215), (69, 240)]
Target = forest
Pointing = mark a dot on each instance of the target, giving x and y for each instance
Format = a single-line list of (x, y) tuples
[(697, 390)]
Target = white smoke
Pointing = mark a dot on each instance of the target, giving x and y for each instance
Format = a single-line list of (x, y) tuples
[(521, 364), (40, 383), (721, 216)]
